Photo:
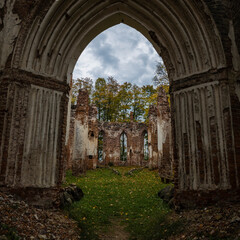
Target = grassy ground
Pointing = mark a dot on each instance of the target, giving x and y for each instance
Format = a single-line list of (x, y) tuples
[(133, 199)]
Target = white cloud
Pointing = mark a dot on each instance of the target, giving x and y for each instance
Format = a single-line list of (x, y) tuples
[(121, 52)]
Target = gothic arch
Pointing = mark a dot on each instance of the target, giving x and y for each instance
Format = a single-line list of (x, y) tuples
[(101, 138), (145, 145), (184, 36), (123, 147), (40, 44)]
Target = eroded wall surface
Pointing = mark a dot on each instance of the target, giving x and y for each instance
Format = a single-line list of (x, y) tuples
[(164, 137), (135, 143), (153, 137), (31, 134), (159, 137), (85, 141)]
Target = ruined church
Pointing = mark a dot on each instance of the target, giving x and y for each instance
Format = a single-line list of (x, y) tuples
[(83, 146), (199, 41)]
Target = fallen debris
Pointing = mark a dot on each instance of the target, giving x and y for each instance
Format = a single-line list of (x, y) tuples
[(18, 220), (213, 222), (70, 195)]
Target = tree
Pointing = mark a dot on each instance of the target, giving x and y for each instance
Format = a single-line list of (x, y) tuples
[(86, 83), (112, 99), (150, 98), (161, 78), (99, 97), (161, 75), (138, 106), (125, 101), (115, 101)]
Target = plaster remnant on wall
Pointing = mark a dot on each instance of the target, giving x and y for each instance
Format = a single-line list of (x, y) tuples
[(84, 145), (9, 33), (161, 155), (32, 128), (234, 48), (39, 166), (202, 115)]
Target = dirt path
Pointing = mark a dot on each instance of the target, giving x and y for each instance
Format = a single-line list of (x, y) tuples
[(115, 231)]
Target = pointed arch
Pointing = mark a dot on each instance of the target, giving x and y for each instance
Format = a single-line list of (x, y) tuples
[(145, 146), (183, 35), (101, 157), (123, 147)]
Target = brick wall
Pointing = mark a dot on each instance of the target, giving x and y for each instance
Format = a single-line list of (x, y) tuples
[(32, 143), (135, 143), (165, 161)]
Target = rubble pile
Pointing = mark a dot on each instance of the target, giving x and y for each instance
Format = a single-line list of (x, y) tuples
[(213, 222), (18, 220)]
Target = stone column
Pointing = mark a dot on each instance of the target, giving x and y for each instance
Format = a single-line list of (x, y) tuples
[(33, 114), (205, 147)]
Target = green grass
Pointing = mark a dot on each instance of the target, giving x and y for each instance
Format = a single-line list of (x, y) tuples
[(133, 199)]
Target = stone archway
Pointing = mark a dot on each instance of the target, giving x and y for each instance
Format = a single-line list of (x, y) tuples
[(41, 43)]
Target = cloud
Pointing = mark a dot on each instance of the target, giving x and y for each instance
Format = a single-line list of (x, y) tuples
[(121, 52)]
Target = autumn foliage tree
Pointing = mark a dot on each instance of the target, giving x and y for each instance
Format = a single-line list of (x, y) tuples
[(115, 101)]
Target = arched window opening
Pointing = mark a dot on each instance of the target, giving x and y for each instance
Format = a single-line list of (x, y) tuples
[(100, 147), (123, 146), (145, 147)]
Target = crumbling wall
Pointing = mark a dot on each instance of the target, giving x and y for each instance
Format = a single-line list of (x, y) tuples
[(30, 134), (135, 141), (82, 147), (85, 135), (165, 154), (153, 137), (92, 153), (207, 167), (159, 137)]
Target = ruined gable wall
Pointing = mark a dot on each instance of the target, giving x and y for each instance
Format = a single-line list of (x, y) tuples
[(135, 140), (85, 140), (159, 137), (80, 133)]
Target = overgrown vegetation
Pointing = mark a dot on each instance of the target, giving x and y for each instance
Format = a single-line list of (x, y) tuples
[(131, 198)]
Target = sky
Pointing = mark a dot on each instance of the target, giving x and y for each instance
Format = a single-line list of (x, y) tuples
[(120, 52)]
